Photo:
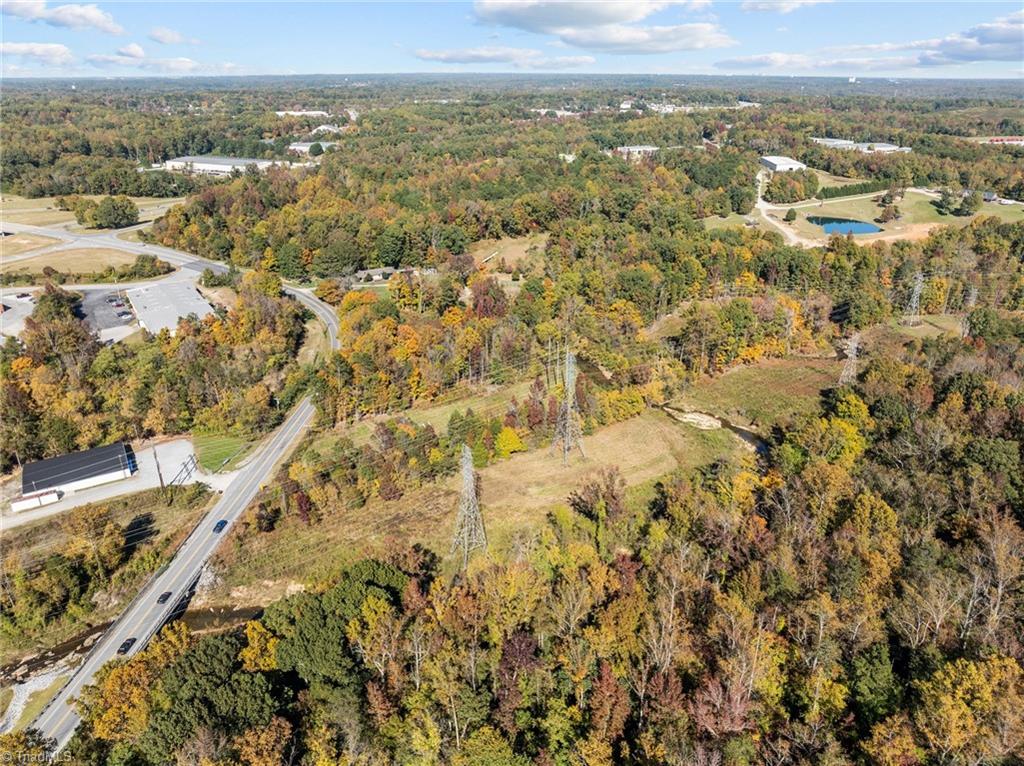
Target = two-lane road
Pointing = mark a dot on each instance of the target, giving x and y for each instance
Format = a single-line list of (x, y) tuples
[(144, 616)]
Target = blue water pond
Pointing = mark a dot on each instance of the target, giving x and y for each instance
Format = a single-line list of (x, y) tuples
[(842, 225)]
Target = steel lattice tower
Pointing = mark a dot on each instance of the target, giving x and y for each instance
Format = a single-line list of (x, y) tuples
[(849, 373), (568, 433), (913, 313), (469, 524)]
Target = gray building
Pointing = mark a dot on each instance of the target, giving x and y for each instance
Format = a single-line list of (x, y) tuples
[(160, 306)]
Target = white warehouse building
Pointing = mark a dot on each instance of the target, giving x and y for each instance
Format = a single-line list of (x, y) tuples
[(160, 306), (778, 164), (212, 165)]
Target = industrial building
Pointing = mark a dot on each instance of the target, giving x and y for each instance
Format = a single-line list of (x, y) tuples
[(212, 165), (46, 481), (160, 306), (303, 147), (782, 164), (636, 152), (865, 147)]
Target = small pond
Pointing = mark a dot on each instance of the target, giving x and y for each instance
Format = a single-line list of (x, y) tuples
[(842, 225)]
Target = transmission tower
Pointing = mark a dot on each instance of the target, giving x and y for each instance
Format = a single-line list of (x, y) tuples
[(912, 316), (969, 301), (469, 525), (568, 433), (849, 373)]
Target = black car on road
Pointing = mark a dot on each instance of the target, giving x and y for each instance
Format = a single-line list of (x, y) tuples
[(128, 644), (219, 526), (163, 597)]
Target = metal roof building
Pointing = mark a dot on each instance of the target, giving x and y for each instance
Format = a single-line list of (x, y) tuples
[(160, 306), (214, 165), (78, 470), (781, 164)]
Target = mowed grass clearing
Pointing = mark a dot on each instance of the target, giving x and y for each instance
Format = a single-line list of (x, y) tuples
[(86, 260), (489, 253), (733, 219), (765, 394), (22, 242), (43, 211), (220, 453), (516, 495), (918, 210)]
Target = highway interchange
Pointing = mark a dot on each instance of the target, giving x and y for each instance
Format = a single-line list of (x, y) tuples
[(144, 616)]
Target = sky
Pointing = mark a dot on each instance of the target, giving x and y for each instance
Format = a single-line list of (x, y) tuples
[(40, 38)]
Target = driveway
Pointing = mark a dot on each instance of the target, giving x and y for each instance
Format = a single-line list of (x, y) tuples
[(171, 455)]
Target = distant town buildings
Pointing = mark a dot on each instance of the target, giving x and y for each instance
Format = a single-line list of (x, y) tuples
[(567, 156), (636, 152), (327, 129), (302, 113), (1012, 140), (778, 164), (213, 165), (160, 306), (556, 112), (660, 108), (866, 147)]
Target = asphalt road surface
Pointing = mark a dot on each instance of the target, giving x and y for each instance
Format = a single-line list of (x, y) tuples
[(144, 617)]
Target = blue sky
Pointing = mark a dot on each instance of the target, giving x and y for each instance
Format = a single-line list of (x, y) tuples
[(818, 37)]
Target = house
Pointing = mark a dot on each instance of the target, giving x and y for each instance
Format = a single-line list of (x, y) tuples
[(212, 165), (160, 306), (778, 164), (374, 275), (303, 147), (567, 156), (46, 481), (326, 129), (989, 196)]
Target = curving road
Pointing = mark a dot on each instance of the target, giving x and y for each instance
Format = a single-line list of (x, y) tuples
[(144, 616)]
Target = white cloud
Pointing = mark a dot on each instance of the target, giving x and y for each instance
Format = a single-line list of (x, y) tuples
[(132, 50), (168, 36), (521, 58), (178, 65), (606, 26), (73, 15), (51, 54), (779, 6)]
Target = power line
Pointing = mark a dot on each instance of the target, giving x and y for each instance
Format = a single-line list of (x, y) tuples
[(469, 524), (568, 433)]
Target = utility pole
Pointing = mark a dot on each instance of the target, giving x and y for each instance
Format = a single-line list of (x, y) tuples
[(158, 472), (469, 524), (912, 317), (568, 433), (849, 373)]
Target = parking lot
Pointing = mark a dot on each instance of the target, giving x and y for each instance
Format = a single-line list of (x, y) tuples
[(12, 320), (101, 310)]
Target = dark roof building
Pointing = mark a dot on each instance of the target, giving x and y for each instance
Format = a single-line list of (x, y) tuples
[(77, 470)]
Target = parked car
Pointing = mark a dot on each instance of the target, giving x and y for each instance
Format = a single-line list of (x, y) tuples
[(128, 644), (164, 597), (124, 315), (118, 304), (219, 526), (113, 299), (24, 296)]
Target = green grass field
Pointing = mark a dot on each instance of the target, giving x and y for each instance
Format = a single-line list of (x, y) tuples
[(717, 222), (765, 394), (217, 453), (918, 215)]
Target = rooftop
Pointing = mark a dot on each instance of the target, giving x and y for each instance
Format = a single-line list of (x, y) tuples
[(160, 306), (64, 469), (214, 159)]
